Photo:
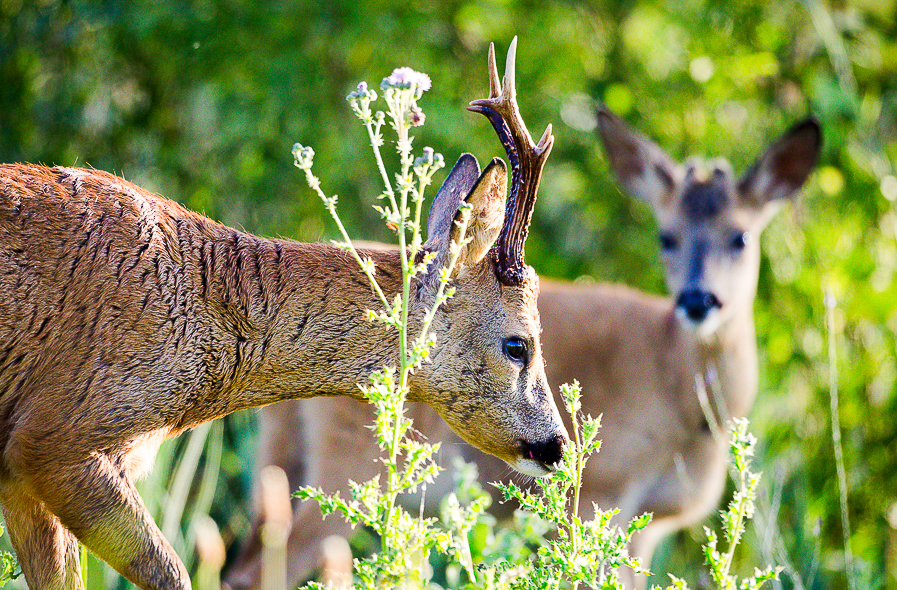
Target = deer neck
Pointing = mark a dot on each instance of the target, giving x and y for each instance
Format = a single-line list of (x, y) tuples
[(288, 321), (726, 362)]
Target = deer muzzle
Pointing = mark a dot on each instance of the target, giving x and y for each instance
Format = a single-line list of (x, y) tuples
[(697, 304), (540, 458)]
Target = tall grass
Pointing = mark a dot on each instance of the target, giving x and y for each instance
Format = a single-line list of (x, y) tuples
[(831, 305)]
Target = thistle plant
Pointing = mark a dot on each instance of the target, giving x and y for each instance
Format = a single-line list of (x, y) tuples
[(8, 566), (588, 552), (408, 464), (734, 519)]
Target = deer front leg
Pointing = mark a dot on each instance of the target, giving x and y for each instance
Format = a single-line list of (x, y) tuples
[(686, 493), (47, 552), (97, 502)]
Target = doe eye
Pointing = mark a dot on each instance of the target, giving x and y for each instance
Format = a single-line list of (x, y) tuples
[(515, 348), (667, 242), (741, 240)]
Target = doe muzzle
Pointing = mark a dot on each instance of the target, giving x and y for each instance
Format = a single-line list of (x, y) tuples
[(697, 304)]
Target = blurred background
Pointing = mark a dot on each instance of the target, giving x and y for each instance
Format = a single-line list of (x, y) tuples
[(201, 102)]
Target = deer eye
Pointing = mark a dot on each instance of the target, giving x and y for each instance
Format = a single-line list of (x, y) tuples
[(668, 243), (515, 349), (740, 240)]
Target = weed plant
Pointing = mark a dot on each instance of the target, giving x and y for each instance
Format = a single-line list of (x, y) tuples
[(9, 566), (581, 551), (408, 464), (734, 519), (529, 556)]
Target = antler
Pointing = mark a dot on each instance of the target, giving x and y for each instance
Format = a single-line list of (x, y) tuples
[(527, 160)]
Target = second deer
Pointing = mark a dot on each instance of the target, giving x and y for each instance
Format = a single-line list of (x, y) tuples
[(641, 359)]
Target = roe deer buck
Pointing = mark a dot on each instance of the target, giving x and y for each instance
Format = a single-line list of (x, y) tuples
[(126, 319), (637, 356)]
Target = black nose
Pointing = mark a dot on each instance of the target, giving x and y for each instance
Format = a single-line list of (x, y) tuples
[(546, 452), (697, 304)]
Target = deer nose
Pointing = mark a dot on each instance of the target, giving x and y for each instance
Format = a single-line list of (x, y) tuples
[(697, 304), (547, 452)]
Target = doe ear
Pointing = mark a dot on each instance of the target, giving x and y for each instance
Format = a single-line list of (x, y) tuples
[(485, 194), (644, 170), (784, 167)]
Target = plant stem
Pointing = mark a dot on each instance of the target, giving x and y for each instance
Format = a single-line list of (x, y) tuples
[(831, 304), (440, 291), (375, 144), (404, 361), (574, 526), (315, 184), (739, 525)]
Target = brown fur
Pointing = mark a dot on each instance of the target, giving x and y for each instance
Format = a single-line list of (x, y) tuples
[(636, 356), (126, 319)]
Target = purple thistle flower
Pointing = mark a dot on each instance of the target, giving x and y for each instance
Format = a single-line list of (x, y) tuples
[(403, 78)]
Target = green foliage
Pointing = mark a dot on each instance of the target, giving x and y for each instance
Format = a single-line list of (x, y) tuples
[(8, 566), (734, 519), (583, 551), (588, 552), (741, 508)]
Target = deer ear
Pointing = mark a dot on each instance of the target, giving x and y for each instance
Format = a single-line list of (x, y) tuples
[(644, 170), (487, 213), (456, 187), (485, 194), (784, 167)]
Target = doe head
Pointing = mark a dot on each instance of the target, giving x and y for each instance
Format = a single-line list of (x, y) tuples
[(710, 220), (487, 376)]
